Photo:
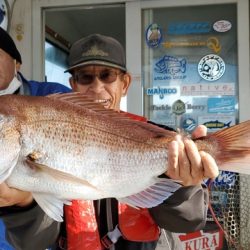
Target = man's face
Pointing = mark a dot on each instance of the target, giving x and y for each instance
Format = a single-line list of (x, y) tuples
[(103, 84), (7, 69)]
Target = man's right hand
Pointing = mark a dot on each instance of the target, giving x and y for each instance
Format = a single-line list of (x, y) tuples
[(11, 196)]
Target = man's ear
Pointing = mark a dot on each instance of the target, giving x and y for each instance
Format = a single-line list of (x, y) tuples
[(126, 83), (18, 66), (72, 83)]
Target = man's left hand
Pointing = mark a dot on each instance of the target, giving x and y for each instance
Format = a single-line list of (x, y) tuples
[(188, 165)]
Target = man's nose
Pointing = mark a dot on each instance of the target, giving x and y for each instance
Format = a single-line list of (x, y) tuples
[(97, 85)]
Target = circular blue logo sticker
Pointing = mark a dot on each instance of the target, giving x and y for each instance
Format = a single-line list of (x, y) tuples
[(153, 35), (189, 124)]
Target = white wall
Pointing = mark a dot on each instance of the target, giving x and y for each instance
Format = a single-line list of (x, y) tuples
[(20, 30)]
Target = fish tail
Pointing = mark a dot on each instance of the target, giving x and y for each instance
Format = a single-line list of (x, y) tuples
[(230, 147)]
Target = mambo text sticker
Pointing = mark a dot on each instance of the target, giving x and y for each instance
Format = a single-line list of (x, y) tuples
[(153, 35), (211, 67), (161, 91), (222, 26)]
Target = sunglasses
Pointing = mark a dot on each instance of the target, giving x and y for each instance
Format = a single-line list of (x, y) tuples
[(106, 76)]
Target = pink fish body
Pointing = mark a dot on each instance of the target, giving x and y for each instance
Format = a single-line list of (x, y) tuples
[(66, 147)]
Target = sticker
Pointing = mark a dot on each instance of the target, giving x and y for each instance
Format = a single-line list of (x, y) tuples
[(179, 107), (218, 197), (216, 123), (197, 107), (221, 105), (202, 240), (161, 91), (170, 65), (210, 89), (160, 107), (189, 124), (4, 14), (212, 43), (153, 35), (211, 67), (222, 26), (225, 178), (186, 28)]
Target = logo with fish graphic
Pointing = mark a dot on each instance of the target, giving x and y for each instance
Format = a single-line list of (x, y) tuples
[(217, 124), (189, 124), (170, 65), (153, 35), (211, 67)]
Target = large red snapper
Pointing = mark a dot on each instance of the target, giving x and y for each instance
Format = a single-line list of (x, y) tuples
[(65, 147)]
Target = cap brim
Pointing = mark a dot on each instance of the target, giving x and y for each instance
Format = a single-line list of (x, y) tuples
[(96, 62)]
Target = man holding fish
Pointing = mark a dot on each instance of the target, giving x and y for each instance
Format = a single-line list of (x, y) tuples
[(97, 65)]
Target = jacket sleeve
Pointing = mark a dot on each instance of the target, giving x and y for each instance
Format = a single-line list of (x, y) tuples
[(30, 229), (185, 211)]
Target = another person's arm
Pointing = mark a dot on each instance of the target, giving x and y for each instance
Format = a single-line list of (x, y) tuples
[(30, 228), (27, 226)]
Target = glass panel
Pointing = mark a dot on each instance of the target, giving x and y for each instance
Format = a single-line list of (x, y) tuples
[(56, 64), (190, 67)]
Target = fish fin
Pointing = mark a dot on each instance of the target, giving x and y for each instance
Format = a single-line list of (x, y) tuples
[(7, 171), (144, 130), (57, 174), (79, 99), (51, 205), (153, 195), (230, 147)]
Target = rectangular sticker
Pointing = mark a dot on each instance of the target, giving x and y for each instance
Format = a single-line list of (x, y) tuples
[(209, 89), (221, 105)]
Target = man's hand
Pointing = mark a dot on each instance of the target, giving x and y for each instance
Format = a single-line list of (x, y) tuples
[(187, 164), (11, 196)]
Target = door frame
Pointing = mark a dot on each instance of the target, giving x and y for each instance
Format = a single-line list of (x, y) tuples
[(133, 10)]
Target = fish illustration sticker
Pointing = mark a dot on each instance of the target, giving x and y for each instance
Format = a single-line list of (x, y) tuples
[(170, 65), (214, 123), (211, 67), (153, 35)]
